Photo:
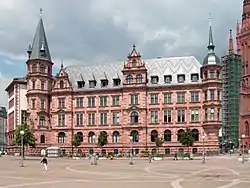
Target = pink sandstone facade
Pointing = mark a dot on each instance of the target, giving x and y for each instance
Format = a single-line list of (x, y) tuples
[(142, 98)]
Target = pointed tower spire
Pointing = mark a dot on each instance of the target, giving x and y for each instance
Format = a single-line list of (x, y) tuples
[(40, 48), (231, 43), (211, 45)]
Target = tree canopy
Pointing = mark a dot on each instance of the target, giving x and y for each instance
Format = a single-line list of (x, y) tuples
[(28, 137), (102, 139), (187, 138), (76, 140), (159, 142)]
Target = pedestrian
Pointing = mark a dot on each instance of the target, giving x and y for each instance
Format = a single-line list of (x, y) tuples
[(150, 158), (175, 157), (44, 163)]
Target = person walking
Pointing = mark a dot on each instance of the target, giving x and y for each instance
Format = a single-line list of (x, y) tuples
[(44, 163)]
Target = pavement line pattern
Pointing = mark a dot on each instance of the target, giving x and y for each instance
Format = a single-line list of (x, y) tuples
[(148, 169)]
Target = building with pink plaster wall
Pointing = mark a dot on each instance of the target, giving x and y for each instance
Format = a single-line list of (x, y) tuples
[(142, 98)]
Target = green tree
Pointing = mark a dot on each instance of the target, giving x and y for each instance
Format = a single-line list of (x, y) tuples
[(28, 137), (102, 139), (187, 138), (159, 142), (77, 140)]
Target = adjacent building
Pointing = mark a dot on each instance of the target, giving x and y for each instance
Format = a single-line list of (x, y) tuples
[(142, 98), (243, 49), (3, 126)]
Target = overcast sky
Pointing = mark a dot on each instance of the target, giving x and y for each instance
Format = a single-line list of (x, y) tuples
[(92, 31)]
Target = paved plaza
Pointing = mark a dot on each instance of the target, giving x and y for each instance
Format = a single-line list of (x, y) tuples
[(218, 172)]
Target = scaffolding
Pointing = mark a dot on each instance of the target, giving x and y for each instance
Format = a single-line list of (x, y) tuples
[(230, 104)]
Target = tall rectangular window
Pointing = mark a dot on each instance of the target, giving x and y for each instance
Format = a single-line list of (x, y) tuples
[(91, 119), (61, 120), (134, 99), (153, 98), (116, 119), (154, 116), (212, 114), (181, 97), (103, 118), (79, 119), (181, 116), (79, 102), (194, 96), (42, 84), (115, 100), (61, 103), (194, 115), (91, 101), (167, 116), (167, 98), (211, 95), (103, 101), (42, 105), (33, 103)]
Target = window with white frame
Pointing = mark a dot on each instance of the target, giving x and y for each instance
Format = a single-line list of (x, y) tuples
[(103, 118), (181, 116), (167, 98), (61, 120), (91, 101), (134, 99), (194, 115), (91, 119), (195, 96), (154, 98), (211, 94), (103, 101), (115, 100), (167, 116), (116, 137), (79, 119), (42, 121), (42, 104), (154, 116), (212, 114), (181, 97), (61, 103), (116, 118), (79, 102)]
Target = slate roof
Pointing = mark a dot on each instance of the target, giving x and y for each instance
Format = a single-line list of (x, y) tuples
[(156, 67)]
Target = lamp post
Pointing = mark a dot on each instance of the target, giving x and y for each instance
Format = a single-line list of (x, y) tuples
[(230, 147), (203, 148), (243, 149), (239, 146), (22, 151), (131, 150)]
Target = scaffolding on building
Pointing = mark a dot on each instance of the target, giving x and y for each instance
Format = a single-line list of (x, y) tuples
[(231, 96)]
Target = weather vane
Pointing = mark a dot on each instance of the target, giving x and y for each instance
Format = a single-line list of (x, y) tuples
[(210, 19), (41, 12)]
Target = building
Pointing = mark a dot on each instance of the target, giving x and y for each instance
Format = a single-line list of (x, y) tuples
[(17, 106), (231, 96), (243, 42), (144, 99), (3, 126)]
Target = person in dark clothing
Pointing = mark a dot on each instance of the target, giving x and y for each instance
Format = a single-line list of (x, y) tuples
[(175, 157), (44, 163)]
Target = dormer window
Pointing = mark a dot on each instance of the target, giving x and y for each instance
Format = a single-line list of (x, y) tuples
[(116, 82), (154, 79), (138, 78), (104, 83), (80, 84), (129, 79), (181, 78), (167, 79), (194, 77), (211, 74), (92, 83), (134, 63), (34, 68)]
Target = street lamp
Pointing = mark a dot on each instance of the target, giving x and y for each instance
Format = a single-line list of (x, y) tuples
[(203, 148), (230, 147), (131, 152), (243, 149), (239, 146), (22, 148)]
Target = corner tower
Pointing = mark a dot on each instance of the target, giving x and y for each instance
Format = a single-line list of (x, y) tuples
[(39, 82), (212, 88)]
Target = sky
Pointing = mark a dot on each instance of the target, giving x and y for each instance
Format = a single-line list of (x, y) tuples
[(94, 31)]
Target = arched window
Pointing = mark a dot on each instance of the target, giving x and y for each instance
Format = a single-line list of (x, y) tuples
[(42, 68), (42, 121), (34, 68), (61, 138), (103, 151), (167, 136), (135, 136), (116, 151), (80, 136), (61, 84), (134, 117), (195, 134), (115, 137), (194, 150), (179, 134), (153, 135), (91, 137), (181, 151), (42, 139), (129, 79), (138, 78), (247, 129), (167, 151)]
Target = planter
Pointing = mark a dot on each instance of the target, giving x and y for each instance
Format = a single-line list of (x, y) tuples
[(102, 158), (76, 158), (158, 158)]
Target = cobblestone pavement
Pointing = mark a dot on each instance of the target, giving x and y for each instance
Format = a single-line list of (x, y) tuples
[(218, 172)]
